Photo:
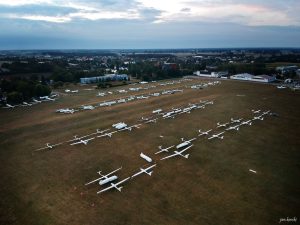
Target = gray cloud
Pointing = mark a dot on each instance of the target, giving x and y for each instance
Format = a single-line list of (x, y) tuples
[(129, 24), (275, 12), (185, 10), (38, 9)]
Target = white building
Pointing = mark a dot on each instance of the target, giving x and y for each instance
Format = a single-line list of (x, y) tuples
[(249, 77), (204, 74), (242, 76), (107, 77), (264, 78), (286, 69)]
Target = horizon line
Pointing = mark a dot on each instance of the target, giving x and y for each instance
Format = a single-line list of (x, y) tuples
[(115, 49)]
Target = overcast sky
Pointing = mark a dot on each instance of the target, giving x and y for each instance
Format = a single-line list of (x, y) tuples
[(106, 24)]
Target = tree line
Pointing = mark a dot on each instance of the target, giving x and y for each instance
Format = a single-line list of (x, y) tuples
[(17, 90)]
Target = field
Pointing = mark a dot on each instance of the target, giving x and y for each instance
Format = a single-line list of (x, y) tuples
[(276, 64), (213, 186)]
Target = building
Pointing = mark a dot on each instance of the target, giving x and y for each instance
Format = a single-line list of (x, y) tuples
[(205, 73), (298, 72), (249, 77), (211, 68), (241, 76), (286, 69), (169, 66), (105, 78), (264, 78), (221, 74)]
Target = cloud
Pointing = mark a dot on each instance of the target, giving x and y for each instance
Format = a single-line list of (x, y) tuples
[(51, 11), (114, 34), (97, 15), (185, 10), (46, 10), (149, 23), (252, 13), (52, 19), (23, 2)]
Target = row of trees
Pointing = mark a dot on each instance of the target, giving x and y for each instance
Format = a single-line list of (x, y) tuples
[(254, 68), (142, 70), (29, 66), (61, 74), (18, 90), (155, 71), (61, 71), (151, 71)]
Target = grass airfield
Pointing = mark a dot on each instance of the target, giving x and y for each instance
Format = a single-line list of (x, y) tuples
[(214, 186)]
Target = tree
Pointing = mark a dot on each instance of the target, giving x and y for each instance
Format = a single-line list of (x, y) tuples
[(58, 84), (43, 80), (22, 89), (42, 90), (7, 86), (34, 77), (14, 97), (25, 88)]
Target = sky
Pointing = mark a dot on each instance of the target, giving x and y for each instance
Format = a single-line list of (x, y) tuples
[(138, 24)]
